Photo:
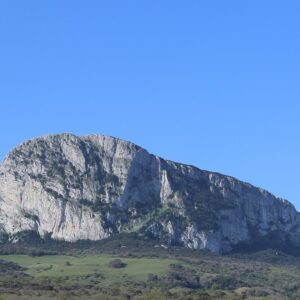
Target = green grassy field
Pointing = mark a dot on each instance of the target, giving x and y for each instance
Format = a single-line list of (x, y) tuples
[(147, 274), (57, 266)]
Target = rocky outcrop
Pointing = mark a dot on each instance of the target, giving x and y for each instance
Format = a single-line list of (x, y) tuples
[(92, 187)]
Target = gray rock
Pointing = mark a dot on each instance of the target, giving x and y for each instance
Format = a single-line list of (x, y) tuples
[(91, 187)]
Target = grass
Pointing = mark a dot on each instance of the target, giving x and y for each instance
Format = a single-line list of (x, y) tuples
[(262, 275), (56, 265)]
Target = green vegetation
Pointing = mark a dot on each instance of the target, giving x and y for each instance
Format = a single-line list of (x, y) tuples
[(130, 268), (57, 266)]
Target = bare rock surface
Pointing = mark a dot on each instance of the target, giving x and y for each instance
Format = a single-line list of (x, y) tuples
[(77, 188)]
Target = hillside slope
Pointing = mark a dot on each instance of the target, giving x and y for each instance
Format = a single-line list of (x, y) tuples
[(76, 188)]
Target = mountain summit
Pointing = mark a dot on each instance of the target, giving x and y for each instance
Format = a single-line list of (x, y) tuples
[(92, 187)]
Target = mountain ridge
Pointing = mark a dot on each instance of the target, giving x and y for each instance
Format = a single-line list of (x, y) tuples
[(96, 186), (168, 160)]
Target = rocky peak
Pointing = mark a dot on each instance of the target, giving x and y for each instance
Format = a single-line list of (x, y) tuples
[(94, 186)]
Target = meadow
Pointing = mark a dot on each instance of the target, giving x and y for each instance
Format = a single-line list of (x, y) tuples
[(110, 270), (62, 265)]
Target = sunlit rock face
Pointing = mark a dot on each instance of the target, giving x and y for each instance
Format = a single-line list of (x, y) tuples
[(77, 188)]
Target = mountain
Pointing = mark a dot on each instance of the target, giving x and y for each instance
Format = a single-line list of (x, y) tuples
[(92, 187)]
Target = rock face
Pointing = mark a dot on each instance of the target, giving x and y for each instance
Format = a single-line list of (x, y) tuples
[(94, 186)]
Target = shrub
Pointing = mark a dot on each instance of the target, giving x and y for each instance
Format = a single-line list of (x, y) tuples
[(117, 264), (179, 275)]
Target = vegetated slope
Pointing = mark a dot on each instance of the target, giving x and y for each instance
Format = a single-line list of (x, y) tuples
[(150, 273), (76, 188)]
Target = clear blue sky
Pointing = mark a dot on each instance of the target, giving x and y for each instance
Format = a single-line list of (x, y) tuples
[(211, 83)]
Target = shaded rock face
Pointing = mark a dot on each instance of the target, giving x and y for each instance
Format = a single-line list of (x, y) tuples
[(77, 188)]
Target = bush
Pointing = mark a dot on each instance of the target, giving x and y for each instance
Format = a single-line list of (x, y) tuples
[(117, 264), (179, 275), (226, 283), (37, 253), (152, 278)]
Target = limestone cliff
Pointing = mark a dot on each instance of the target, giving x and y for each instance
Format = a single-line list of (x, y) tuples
[(94, 186)]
